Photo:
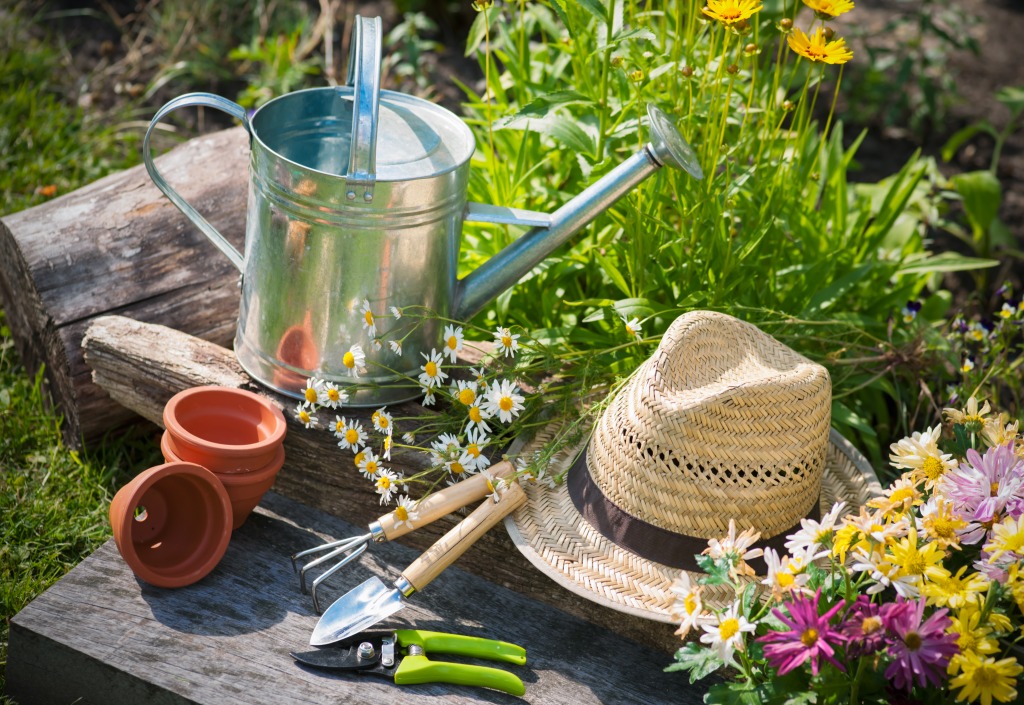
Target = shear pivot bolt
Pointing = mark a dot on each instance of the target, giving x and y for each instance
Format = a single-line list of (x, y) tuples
[(365, 650)]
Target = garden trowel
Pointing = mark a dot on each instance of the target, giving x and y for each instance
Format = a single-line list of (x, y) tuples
[(373, 601)]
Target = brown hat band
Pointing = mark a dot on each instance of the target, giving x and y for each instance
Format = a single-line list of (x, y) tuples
[(642, 538)]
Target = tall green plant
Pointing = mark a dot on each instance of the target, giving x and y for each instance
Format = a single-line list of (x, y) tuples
[(776, 232)]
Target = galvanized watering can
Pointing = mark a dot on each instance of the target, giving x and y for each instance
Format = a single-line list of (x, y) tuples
[(357, 193)]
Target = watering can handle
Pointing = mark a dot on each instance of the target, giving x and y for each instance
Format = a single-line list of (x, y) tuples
[(364, 77), (194, 99)]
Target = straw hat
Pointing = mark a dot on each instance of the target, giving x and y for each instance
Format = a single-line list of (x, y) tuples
[(722, 422)]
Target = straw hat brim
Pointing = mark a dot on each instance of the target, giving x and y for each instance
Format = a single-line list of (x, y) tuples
[(550, 532)]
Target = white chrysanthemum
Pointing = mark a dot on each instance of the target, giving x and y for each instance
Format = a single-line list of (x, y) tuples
[(688, 607), (305, 417), (725, 635), (815, 536), (353, 437), (633, 327), (382, 420), (503, 401), (313, 391), (453, 340), (507, 343), (368, 323), (405, 512), (333, 396), (368, 464), (476, 441), (920, 453), (354, 360), (432, 374)]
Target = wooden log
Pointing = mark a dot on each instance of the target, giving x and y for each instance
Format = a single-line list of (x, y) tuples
[(119, 246), (142, 365), (99, 635)]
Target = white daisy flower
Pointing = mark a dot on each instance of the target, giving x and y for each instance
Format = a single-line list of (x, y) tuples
[(405, 512), (814, 535), (874, 562), (507, 343), (428, 397), (445, 448), (784, 574), (409, 437), (354, 360), (478, 374), (305, 416), (452, 342), (725, 636), (332, 396), (387, 447), (396, 312), (478, 418), (368, 322), (313, 392), (688, 607), (502, 401), (375, 344), (396, 347), (387, 483), (353, 436), (465, 392), (432, 375), (368, 464), (633, 327), (461, 466), (476, 441), (496, 487), (382, 420)]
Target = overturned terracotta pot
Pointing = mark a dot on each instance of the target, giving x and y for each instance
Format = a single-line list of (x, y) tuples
[(172, 524), (226, 430), (244, 489)]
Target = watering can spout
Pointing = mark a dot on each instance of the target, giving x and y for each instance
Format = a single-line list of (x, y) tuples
[(667, 147)]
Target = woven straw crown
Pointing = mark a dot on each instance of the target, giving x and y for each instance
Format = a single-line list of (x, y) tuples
[(722, 422)]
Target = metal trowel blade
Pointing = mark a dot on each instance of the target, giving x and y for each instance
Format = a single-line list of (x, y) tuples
[(359, 608)]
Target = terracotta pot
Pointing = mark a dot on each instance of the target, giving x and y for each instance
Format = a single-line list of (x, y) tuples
[(224, 429), (172, 524), (244, 489)]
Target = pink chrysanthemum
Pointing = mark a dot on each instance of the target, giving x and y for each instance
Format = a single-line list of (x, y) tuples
[(809, 638), (920, 650), (863, 628), (986, 488)]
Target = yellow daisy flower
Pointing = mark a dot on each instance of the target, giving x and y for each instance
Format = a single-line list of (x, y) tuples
[(983, 678), (829, 9), (729, 12), (1015, 581), (972, 417), (901, 496), (915, 561), (1007, 537), (947, 590), (941, 525), (817, 49), (973, 637)]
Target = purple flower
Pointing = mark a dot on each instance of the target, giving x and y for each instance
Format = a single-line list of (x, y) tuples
[(920, 651), (863, 628), (986, 489), (810, 636)]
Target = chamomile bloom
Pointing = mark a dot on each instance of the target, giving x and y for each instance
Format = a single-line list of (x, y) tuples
[(396, 347), (386, 482), (368, 464), (409, 437), (387, 447), (507, 343), (405, 512), (453, 340), (339, 426), (503, 401), (432, 374), (333, 397), (465, 392), (476, 441), (313, 391), (368, 323), (353, 437), (396, 312), (478, 418), (305, 417), (354, 360), (382, 421), (633, 327), (428, 396), (446, 447), (496, 487), (461, 466), (725, 635), (478, 374)]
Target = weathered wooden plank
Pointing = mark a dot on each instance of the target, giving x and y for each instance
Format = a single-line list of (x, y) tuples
[(119, 246), (142, 365), (101, 635)]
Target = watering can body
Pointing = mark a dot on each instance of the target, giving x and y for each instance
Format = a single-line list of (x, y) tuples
[(357, 197)]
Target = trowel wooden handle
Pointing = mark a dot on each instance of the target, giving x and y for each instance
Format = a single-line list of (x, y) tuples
[(463, 535), (446, 501)]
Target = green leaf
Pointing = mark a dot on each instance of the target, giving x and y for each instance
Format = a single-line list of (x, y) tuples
[(945, 262), (544, 104), (981, 195), (595, 8), (563, 129), (831, 293), (699, 660), (717, 570), (959, 137), (1013, 98), (478, 31), (613, 273), (733, 694)]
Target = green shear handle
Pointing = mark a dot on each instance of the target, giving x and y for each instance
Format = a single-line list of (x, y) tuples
[(420, 669), (461, 645)]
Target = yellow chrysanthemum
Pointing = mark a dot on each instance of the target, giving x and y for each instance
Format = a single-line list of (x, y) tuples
[(945, 589), (1015, 581), (829, 9), (729, 12), (973, 636), (914, 560), (983, 678), (817, 48), (941, 525), (1007, 537)]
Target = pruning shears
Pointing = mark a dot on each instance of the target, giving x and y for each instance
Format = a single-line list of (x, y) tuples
[(401, 655)]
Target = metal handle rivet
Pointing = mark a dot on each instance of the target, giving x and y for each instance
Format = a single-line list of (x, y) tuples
[(351, 195)]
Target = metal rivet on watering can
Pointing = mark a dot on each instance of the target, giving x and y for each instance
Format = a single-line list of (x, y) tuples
[(380, 220)]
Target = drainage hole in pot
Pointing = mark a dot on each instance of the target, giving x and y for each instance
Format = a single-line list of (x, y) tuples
[(140, 513)]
